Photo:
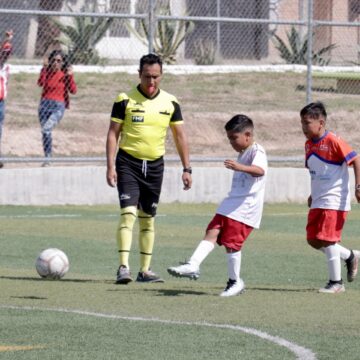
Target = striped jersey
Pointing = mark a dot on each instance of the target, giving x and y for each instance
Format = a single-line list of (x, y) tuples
[(327, 159), (145, 122)]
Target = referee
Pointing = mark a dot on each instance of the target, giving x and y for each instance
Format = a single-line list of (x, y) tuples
[(134, 149)]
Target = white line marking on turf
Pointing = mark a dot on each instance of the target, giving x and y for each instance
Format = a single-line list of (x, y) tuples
[(301, 352), (8, 348)]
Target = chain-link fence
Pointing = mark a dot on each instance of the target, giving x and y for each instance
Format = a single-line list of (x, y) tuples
[(317, 40)]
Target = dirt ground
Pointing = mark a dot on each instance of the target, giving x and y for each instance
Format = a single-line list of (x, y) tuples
[(207, 102), (279, 132)]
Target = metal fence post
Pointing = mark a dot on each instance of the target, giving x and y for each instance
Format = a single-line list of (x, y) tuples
[(309, 52), (151, 24), (218, 29)]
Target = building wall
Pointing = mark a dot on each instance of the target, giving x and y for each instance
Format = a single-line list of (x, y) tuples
[(347, 37)]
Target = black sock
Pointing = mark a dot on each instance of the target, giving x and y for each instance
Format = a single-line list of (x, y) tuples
[(351, 257), (336, 282)]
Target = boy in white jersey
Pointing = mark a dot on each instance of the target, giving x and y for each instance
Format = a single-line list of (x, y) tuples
[(239, 212), (327, 158)]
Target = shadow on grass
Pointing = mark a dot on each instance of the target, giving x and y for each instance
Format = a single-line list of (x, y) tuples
[(176, 292), (179, 292), (62, 280), (279, 289), (161, 292), (29, 297)]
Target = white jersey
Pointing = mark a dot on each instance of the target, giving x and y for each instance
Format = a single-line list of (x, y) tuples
[(245, 200)]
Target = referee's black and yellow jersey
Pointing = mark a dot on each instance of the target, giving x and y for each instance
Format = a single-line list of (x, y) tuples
[(145, 122)]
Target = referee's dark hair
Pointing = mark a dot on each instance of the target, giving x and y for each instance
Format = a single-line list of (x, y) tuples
[(239, 123), (314, 110), (150, 59)]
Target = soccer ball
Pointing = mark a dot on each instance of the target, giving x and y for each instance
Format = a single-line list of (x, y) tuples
[(52, 264)]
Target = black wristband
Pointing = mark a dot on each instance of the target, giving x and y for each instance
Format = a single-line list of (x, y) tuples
[(188, 170)]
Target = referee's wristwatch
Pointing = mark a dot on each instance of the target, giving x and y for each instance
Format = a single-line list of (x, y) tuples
[(188, 170), (357, 187)]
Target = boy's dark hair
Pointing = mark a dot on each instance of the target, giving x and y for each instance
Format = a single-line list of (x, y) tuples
[(150, 59), (239, 123), (314, 110)]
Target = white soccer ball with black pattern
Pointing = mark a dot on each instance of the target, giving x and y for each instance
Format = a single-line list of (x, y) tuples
[(52, 264)]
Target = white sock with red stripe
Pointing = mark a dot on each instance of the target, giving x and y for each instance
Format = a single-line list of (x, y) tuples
[(332, 253), (201, 252)]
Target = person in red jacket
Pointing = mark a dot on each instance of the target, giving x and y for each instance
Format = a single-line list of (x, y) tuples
[(57, 80)]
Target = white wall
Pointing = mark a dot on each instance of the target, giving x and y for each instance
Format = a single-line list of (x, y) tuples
[(87, 186)]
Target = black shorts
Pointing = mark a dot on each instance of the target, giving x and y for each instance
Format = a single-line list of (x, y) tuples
[(139, 182)]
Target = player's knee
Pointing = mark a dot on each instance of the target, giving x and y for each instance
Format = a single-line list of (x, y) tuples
[(146, 221), (127, 217), (314, 243)]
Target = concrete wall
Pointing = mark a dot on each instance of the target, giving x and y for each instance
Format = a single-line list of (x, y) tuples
[(87, 186)]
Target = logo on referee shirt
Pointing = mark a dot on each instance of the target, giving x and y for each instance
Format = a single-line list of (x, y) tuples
[(125, 197), (137, 119)]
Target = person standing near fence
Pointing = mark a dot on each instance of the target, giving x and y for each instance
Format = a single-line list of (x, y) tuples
[(135, 164), (5, 52), (57, 80)]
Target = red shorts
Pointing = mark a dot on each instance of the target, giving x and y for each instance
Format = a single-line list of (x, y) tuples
[(325, 224), (232, 233)]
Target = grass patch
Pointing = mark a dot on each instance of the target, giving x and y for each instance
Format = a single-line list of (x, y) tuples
[(207, 101), (282, 275)]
